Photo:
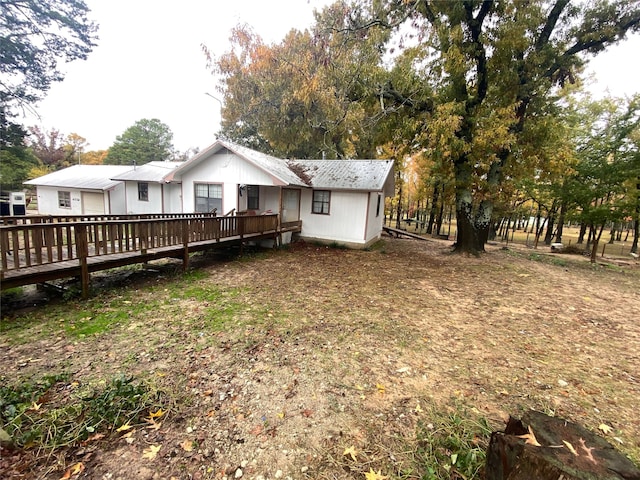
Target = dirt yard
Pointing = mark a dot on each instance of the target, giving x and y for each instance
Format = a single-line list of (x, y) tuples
[(324, 349)]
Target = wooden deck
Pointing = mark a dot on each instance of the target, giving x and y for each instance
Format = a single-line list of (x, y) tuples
[(39, 249)]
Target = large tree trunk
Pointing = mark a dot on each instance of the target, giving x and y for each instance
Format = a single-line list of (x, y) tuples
[(636, 233), (468, 239), (564, 450), (560, 228), (434, 206)]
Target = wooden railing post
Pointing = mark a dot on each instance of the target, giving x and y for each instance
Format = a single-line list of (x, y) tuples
[(82, 252), (185, 224)]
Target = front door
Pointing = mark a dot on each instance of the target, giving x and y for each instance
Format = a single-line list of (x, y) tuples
[(290, 205)]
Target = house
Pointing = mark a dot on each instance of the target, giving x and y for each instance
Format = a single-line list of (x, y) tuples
[(148, 188), (81, 190), (337, 200)]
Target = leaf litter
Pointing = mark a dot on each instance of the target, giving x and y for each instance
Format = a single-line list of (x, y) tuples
[(335, 354)]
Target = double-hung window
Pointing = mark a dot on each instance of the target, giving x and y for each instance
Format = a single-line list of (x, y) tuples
[(321, 202), (143, 191), (64, 199), (208, 197), (253, 197)]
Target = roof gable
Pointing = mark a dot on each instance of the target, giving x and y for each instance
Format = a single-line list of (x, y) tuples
[(362, 175)]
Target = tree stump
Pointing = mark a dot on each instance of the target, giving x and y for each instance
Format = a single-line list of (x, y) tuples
[(548, 448)]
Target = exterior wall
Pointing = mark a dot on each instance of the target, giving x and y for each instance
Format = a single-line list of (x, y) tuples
[(116, 201), (374, 222), (227, 169), (346, 222), (135, 206), (48, 201), (172, 198)]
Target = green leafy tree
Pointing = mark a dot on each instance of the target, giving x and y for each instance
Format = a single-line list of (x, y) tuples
[(34, 36), (145, 141), (305, 97), (16, 160), (495, 68)]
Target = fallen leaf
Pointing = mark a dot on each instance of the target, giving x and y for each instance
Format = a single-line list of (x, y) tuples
[(153, 424), (371, 475), (157, 414), (606, 429), (530, 438), (418, 408), (589, 450), (74, 470), (93, 438), (35, 406), (380, 388), (187, 445), (151, 452), (307, 413), (351, 451), (124, 427), (570, 447), (257, 430)]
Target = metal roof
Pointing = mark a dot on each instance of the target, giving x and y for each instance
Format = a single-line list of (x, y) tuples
[(158, 172), (86, 177), (368, 175), (273, 166)]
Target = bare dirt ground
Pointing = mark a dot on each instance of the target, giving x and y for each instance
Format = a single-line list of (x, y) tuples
[(336, 348)]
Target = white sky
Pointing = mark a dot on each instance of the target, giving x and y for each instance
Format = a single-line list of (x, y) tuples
[(149, 64)]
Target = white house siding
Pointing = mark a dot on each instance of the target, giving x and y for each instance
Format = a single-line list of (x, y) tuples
[(374, 222), (345, 223), (140, 207), (116, 202), (223, 168), (48, 201), (172, 198)]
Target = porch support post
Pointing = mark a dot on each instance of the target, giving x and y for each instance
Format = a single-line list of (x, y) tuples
[(185, 222), (82, 252)]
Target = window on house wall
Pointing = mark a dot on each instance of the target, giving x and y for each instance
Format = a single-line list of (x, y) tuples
[(208, 197), (143, 191), (321, 201), (64, 199), (378, 205), (253, 197)]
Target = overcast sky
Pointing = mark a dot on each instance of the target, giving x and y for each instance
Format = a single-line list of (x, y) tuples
[(149, 64)]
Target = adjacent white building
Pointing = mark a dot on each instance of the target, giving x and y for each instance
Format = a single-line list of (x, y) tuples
[(81, 190)]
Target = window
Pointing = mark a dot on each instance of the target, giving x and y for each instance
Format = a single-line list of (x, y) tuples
[(208, 197), (321, 199), (143, 191), (64, 199), (378, 206), (253, 197)]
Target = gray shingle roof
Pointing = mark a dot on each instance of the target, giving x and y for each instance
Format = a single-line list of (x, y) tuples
[(86, 177), (368, 175)]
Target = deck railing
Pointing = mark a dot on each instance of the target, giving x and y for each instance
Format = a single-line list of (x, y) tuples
[(28, 248), (32, 244)]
